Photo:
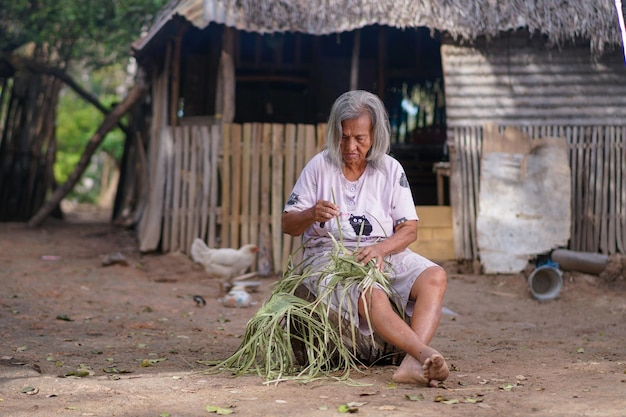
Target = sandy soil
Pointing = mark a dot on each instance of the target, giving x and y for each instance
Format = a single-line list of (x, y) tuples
[(63, 314)]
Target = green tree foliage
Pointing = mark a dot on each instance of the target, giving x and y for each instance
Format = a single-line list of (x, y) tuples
[(96, 32), (90, 40), (77, 121)]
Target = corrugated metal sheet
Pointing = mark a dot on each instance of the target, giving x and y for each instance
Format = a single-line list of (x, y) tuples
[(191, 10), (516, 82)]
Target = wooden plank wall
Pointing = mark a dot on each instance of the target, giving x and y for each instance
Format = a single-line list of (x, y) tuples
[(191, 187), (228, 184), (597, 156)]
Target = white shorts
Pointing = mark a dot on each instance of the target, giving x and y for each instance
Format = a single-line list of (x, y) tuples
[(406, 267)]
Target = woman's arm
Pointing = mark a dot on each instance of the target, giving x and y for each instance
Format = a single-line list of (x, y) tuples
[(295, 222), (404, 234)]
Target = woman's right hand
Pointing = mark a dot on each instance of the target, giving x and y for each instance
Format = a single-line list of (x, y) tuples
[(294, 222), (324, 211)]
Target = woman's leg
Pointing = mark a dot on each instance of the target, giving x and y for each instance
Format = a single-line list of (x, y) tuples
[(422, 364)]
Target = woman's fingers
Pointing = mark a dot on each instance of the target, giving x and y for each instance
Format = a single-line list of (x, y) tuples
[(325, 210)]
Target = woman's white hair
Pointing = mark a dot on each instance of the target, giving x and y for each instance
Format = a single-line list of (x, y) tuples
[(351, 105)]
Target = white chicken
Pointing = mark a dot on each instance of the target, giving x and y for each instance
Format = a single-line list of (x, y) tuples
[(223, 263)]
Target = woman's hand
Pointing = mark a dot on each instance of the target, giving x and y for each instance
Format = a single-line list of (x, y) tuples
[(325, 210), (294, 223), (404, 234), (367, 253)]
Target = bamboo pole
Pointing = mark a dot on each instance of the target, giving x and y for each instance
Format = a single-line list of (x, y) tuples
[(310, 147), (593, 213), (166, 241), (255, 182), (476, 156), (276, 202), (456, 192), (213, 188), (204, 171), (300, 161), (621, 201), (289, 175), (227, 181), (611, 192), (264, 257), (246, 155), (603, 183), (578, 154), (236, 167), (185, 189), (192, 191), (177, 191), (321, 136)]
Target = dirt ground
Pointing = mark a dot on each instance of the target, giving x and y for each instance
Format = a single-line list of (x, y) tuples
[(74, 335)]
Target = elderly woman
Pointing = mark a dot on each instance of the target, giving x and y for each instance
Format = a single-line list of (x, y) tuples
[(356, 192)]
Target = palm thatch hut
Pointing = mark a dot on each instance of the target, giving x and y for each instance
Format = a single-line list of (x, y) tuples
[(241, 90)]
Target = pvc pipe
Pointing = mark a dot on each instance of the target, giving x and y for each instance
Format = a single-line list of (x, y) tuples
[(587, 262), (545, 283)]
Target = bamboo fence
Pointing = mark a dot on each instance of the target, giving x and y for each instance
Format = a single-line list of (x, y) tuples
[(227, 184), (597, 156)]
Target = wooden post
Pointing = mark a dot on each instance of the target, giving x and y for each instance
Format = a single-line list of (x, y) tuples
[(381, 62), (175, 91), (354, 69), (226, 83)]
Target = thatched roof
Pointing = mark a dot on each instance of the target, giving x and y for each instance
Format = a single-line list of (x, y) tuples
[(464, 20)]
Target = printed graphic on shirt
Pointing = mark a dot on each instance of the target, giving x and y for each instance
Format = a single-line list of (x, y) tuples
[(361, 222), (403, 181), (293, 199), (400, 221)]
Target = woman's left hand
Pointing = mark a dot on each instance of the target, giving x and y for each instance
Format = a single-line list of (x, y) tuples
[(367, 253)]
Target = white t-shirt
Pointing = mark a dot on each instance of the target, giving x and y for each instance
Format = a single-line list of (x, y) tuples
[(370, 207)]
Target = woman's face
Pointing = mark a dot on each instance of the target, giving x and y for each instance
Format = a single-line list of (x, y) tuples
[(356, 139)]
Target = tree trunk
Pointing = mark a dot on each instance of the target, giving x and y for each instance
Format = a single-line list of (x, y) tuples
[(27, 142), (109, 123)]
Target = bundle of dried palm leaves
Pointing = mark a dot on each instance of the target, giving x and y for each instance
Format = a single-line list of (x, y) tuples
[(286, 320)]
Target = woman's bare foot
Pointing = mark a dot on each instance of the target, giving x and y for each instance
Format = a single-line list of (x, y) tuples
[(411, 371), (436, 368)]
